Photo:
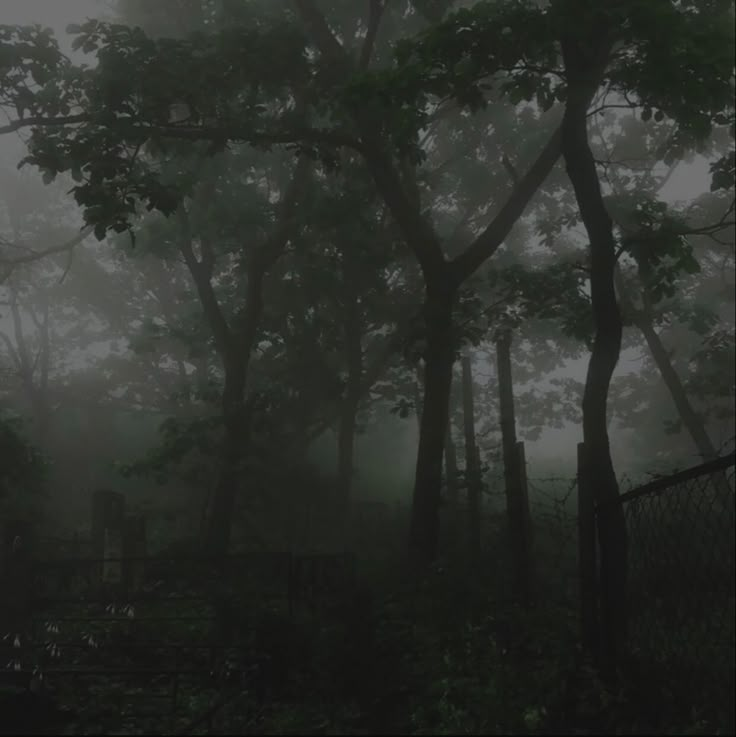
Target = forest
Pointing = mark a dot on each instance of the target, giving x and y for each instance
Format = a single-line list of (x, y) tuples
[(367, 367)]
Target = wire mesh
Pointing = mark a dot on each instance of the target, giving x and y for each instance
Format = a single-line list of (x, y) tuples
[(681, 582)]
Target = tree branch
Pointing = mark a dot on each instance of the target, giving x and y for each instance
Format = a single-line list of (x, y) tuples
[(40, 120), (129, 127), (266, 256), (274, 246), (211, 307), (419, 235), (38, 255), (488, 242)]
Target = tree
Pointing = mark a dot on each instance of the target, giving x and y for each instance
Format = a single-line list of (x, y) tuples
[(22, 472), (99, 132), (472, 461), (587, 49), (654, 290), (442, 279), (381, 115)]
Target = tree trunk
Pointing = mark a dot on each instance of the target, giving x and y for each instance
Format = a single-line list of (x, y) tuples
[(346, 450), (33, 368), (235, 442), (472, 462), (693, 424), (584, 68), (451, 468), (235, 346), (451, 483), (690, 419), (439, 358), (642, 319), (418, 393), (517, 503), (350, 403)]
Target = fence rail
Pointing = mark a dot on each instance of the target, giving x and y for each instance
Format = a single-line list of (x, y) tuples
[(659, 485), (185, 624)]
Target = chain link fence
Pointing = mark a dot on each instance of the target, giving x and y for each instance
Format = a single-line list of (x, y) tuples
[(681, 584)]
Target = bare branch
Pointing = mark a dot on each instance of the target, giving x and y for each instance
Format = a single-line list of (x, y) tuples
[(244, 134), (488, 242), (38, 120), (38, 255)]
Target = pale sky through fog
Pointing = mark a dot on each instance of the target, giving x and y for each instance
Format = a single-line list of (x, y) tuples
[(53, 13), (56, 14), (688, 180)]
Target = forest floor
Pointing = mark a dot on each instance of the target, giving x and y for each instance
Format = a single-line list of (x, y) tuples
[(446, 656)]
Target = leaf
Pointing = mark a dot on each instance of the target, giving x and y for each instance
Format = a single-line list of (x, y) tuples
[(690, 264)]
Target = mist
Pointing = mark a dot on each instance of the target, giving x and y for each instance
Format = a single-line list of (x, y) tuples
[(417, 297)]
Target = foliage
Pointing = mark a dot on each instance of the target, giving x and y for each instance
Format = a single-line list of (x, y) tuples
[(552, 293), (129, 95), (188, 450), (181, 119), (23, 468)]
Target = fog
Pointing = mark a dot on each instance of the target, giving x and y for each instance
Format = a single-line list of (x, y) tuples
[(56, 15), (395, 459), (332, 336)]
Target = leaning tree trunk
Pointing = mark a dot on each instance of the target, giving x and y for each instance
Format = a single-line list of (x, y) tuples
[(438, 359), (584, 62), (693, 424), (687, 414), (517, 502), (690, 419), (641, 317), (472, 462)]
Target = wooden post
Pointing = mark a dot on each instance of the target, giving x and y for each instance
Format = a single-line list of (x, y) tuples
[(514, 471), (134, 551), (529, 574), (108, 522), (587, 558)]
